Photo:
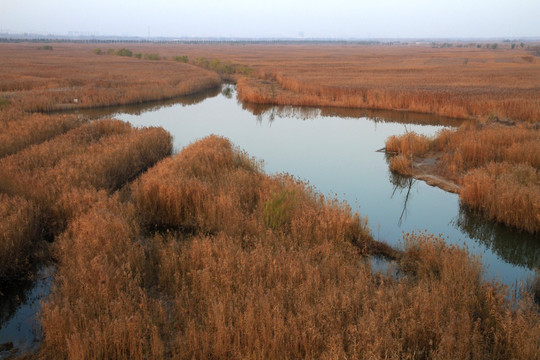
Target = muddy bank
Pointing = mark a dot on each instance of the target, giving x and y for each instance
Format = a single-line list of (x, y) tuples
[(426, 169)]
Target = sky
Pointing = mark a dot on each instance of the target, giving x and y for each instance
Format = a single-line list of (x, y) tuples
[(361, 19)]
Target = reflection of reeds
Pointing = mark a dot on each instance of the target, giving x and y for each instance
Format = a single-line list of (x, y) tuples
[(499, 238)]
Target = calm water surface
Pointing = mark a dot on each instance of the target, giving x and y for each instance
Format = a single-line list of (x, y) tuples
[(336, 151)]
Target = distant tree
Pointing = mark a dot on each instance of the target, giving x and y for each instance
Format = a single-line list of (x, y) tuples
[(513, 46), (494, 46)]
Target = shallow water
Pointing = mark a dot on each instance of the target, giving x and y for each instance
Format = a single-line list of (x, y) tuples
[(335, 150), (20, 331)]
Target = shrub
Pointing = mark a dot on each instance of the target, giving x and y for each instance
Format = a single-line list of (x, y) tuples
[(3, 102), (45, 47), (98, 51), (152, 56), (124, 52), (182, 58), (279, 208)]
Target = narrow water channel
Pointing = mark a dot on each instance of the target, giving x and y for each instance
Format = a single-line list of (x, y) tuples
[(335, 150)]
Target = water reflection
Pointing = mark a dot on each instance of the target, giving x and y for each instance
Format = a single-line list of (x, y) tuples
[(403, 184), (138, 109), (270, 112), (19, 328), (522, 250)]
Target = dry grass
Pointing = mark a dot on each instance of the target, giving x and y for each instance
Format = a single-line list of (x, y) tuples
[(496, 166), (249, 287), (455, 82), (401, 164), (61, 177), (32, 129), (98, 309), (211, 187), (507, 193), (19, 230), (409, 144), (475, 145), (72, 77)]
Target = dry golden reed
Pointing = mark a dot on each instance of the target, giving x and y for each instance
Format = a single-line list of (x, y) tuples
[(19, 230), (495, 164), (198, 286), (72, 77), (61, 177), (33, 129), (507, 193)]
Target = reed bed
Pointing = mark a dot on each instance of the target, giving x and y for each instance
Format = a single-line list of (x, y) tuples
[(475, 145), (459, 82), (33, 129), (19, 230), (507, 193), (409, 144), (282, 277), (18, 170), (98, 309), (62, 177), (70, 77), (496, 166)]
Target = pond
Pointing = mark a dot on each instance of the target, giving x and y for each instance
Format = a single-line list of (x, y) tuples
[(335, 150)]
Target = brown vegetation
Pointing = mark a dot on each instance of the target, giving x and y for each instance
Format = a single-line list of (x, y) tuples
[(72, 77), (507, 193), (19, 230), (271, 281), (32, 129), (455, 82), (495, 165), (205, 256), (61, 176)]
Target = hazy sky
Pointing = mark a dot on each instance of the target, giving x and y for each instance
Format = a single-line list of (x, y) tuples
[(275, 18)]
